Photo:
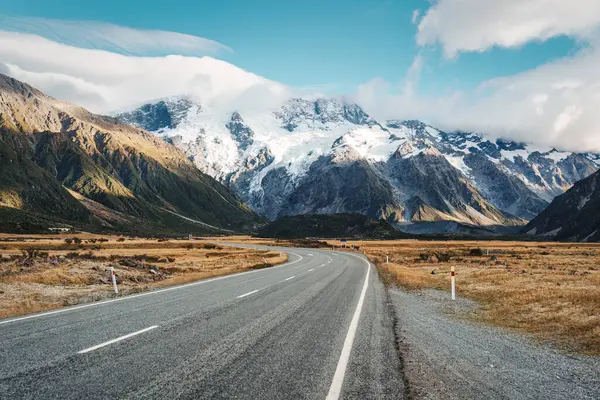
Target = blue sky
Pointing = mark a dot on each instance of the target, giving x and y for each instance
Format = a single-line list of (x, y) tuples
[(519, 69), (334, 45)]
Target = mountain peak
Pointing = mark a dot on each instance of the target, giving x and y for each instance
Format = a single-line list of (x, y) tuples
[(333, 142), (320, 114)]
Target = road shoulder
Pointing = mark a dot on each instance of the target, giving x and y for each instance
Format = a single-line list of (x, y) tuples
[(374, 370), (447, 357)]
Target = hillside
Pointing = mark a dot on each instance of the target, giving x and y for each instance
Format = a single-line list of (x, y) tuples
[(142, 183), (329, 226), (573, 216)]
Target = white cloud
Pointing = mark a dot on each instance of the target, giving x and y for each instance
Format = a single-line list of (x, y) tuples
[(477, 25), (415, 16), (555, 105), (103, 81), (413, 76), (110, 37)]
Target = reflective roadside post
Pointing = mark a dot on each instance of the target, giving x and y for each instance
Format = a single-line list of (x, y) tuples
[(114, 279), (453, 280)]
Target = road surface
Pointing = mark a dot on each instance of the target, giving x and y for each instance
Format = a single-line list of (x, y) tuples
[(316, 327)]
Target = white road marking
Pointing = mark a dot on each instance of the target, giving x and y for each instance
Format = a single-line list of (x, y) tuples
[(338, 378), (116, 340), (248, 294), (312, 269), (310, 254), (291, 277), (133, 296)]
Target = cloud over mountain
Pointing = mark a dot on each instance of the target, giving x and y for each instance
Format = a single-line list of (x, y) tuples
[(104, 81), (554, 104)]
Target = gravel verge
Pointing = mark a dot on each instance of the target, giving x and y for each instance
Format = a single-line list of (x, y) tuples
[(446, 357)]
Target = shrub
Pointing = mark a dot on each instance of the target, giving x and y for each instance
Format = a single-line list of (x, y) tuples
[(477, 252)]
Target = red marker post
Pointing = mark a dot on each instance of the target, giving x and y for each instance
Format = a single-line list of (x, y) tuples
[(453, 280)]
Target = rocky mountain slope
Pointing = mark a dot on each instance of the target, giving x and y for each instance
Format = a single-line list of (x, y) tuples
[(124, 178), (574, 215), (330, 156)]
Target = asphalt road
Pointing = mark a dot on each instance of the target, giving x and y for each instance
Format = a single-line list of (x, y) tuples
[(317, 327)]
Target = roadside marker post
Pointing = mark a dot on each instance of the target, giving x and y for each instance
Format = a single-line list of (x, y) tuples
[(453, 280), (387, 259), (114, 279)]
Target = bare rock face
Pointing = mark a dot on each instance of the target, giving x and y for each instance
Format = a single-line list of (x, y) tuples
[(240, 131)]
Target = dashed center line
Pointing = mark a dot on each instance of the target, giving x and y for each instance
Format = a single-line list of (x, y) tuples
[(116, 340), (312, 269), (248, 294), (291, 277)]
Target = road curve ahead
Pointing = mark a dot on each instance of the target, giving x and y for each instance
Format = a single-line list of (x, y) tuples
[(317, 327)]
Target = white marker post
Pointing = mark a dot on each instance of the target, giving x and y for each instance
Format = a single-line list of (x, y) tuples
[(114, 279), (387, 259), (453, 280)]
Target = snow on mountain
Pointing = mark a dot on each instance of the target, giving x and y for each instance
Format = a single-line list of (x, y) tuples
[(329, 155)]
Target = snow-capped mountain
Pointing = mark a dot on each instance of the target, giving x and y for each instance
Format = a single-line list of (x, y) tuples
[(329, 155)]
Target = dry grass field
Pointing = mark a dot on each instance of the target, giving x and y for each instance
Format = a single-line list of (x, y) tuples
[(39, 272), (550, 290)]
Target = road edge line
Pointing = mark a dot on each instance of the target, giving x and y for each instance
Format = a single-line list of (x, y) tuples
[(340, 372)]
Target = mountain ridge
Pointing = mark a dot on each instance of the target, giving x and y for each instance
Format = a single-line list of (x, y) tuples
[(53, 147), (572, 216), (266, 156)]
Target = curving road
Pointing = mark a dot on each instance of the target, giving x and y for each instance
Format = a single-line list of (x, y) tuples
[(317, 327)]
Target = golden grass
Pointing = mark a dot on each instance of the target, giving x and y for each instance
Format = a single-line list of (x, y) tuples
[(550, 290), (72, 274)]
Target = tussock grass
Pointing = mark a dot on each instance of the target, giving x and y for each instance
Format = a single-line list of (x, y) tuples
[(39, 272), (549, 290)]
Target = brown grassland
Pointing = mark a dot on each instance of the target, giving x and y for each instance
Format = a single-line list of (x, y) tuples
[(42, 272), (549, 290)]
